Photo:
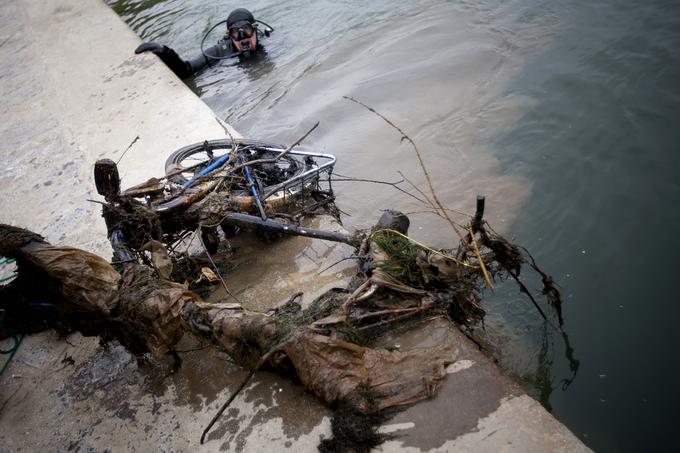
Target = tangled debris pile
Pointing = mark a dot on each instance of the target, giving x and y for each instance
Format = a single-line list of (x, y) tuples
[(147, 299), (328, 346)]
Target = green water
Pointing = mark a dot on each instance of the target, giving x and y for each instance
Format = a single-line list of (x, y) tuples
[(566, 115)]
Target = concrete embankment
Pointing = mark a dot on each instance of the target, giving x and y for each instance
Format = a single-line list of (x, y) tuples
[(74, 92)]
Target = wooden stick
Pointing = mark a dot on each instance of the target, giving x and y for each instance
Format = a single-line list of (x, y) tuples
[(217, 271), (395, 311), (350, 300), (261, 362)]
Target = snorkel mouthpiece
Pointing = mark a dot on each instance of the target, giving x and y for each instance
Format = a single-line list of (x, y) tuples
[(245, 48)]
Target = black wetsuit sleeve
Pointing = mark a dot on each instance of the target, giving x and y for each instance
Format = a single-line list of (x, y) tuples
[(222, 49), (200, 61), (173, 61)]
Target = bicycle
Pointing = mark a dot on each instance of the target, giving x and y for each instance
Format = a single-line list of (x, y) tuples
[(254, 177)]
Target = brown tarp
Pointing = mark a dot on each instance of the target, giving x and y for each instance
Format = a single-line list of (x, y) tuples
[(85, 279), (158, 312), (371, 379)]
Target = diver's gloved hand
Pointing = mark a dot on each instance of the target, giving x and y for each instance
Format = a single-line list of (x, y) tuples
[(180, 67), (149, 46)]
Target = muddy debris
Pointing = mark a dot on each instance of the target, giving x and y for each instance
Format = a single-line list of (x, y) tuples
[(153, 291), (327, 347)]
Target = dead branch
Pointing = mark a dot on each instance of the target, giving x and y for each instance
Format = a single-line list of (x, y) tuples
[(405, 136)]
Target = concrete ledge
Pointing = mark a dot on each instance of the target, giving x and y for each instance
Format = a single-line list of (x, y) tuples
[(76, 92), (477, 409)]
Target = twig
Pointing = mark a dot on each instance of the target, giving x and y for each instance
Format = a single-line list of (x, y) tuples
[(226, 131), (11, 396), (234, 149), (429, 211), (267, 161), (340, 261), (350, 300), (404, 136), (388, 312), (287, 150), (525, 290), (128, 149), (97, 201), (217, 271), (228, 402), (393, 184), (549, 288), (224, 407), (479, 258), (391, 320), (417, 189)]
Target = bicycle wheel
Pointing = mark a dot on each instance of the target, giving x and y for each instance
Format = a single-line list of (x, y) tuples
[(187, 162)]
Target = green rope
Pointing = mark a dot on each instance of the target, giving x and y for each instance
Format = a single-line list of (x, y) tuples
[(11, 351), (11, 277)]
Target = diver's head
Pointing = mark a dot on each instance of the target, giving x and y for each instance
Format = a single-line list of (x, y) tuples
[(241, 27)]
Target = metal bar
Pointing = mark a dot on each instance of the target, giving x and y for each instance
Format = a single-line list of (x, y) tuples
[(218, 163), (246, 220), (253, 189)]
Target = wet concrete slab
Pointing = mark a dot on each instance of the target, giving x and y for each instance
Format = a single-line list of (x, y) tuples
[(266, 274), (72, 394), (478, 408)]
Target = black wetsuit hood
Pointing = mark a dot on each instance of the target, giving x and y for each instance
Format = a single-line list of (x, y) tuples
[(240, 17)]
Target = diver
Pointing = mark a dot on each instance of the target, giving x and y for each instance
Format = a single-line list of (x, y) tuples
[(243, 41)]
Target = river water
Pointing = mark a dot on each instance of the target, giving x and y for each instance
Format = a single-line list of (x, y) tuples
[(565, 115)]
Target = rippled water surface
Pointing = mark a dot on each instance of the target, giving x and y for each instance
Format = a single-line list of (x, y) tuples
[(564, 114)]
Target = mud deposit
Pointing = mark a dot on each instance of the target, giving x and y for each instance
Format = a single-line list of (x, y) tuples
[(107, 400)]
